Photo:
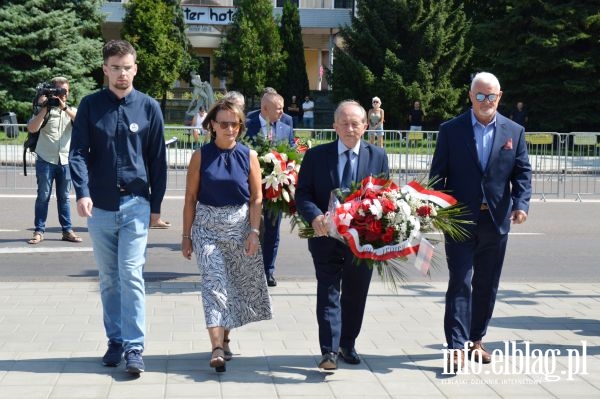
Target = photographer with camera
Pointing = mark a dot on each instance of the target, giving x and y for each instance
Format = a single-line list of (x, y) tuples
[(53, 121)]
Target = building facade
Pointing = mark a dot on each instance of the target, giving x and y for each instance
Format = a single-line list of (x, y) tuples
[(206, 20)]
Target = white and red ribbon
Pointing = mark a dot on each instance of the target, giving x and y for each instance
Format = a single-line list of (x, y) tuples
[(366, 251), (437, 197)]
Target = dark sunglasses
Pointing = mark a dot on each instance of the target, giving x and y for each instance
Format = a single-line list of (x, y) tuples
[(225, 125), (490, 97)]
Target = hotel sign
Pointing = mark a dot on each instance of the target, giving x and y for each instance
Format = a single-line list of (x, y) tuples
[(209, 15)]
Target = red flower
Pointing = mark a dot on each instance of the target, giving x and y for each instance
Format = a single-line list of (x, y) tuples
[(424, 211), (387, 205), (365, 205), (388, 236), (373, 230), (272, 192)]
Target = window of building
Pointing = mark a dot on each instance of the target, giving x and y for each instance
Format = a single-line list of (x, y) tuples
[(205, 69), (280, 3), (343, 3)]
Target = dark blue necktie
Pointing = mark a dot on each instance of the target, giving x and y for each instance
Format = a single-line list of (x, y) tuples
[(346, 181)]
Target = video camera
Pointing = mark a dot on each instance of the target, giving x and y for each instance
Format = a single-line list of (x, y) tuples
[(51, 92)]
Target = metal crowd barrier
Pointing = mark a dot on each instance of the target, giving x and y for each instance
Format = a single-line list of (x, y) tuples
[(565, 165)]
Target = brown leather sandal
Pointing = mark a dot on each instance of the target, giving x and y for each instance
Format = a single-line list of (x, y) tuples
[(228, 355), (38, 237), (217, 360), (70, 236)]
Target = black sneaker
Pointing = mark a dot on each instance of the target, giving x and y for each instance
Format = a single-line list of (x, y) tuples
[(113, 354), (133, 361)]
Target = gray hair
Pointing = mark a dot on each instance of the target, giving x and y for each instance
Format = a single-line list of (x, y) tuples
[(346, 103), (485, 77), (235, 97)]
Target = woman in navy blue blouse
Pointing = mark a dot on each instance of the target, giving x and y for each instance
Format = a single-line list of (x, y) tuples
[(221, 217)]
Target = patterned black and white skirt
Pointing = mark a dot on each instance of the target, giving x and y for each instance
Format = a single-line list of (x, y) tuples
[(233, 285)]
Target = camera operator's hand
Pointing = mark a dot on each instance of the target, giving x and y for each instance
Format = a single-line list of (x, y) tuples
[(61, 104), (42, 100)]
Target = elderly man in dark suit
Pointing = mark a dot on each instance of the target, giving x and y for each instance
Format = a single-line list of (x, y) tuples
[(342, 286), (481, 159), (267, 123)]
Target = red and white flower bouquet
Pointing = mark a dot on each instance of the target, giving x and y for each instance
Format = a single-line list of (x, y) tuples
[(280, 175), (384, 224), (279, 166)]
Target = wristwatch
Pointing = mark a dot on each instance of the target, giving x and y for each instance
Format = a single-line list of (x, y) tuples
[(65, 108)]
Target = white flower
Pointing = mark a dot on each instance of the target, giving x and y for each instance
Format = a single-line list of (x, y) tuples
[(403, 208), (416, 227), (271, 181), (269, 158), (376, 209)]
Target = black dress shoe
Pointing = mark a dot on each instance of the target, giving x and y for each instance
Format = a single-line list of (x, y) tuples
[(328, 361), (349, 355), (271, 282)]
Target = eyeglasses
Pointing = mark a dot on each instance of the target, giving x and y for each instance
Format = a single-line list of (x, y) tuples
[(226, 125), (118, 69), (490, 97), (375, 102)]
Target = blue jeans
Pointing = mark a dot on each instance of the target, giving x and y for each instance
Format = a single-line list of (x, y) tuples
[(119, 240), (46, 173), (309, 123)]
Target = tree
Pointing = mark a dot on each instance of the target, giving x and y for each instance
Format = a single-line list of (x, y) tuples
[(401, 51), (251, 54), (295, 80), (151, 27), (548, 56), (42, 39)]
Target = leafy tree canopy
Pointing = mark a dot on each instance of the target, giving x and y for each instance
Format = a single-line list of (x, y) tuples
[(547, 55), (154, 28), (42, 39), (251, 53), (401, 51)]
